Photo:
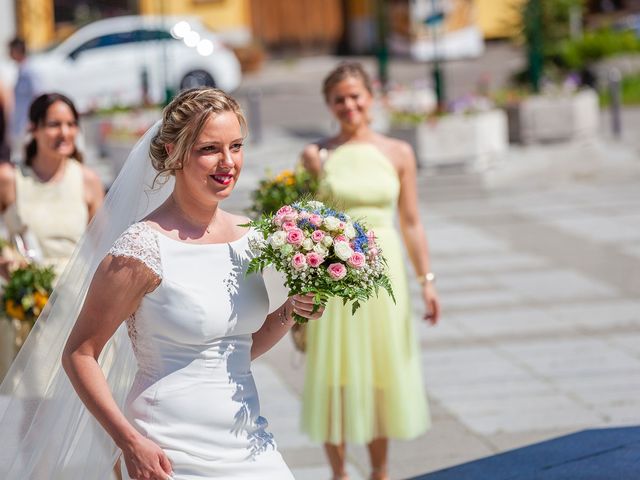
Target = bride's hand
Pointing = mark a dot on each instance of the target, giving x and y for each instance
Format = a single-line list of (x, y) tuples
[(146, 461), (303, 306)]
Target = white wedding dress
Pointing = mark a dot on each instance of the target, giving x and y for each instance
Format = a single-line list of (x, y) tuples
[(194, 394)]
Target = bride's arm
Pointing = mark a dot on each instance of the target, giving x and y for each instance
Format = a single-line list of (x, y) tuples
[(114, 294), (280, 321)]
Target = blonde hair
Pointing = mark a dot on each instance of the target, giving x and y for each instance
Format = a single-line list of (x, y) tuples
[(343, 71), (183, 120)]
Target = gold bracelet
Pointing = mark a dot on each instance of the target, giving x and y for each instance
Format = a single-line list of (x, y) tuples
[(426, 278)]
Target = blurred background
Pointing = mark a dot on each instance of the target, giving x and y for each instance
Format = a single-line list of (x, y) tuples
[(524, 115), (120, 60)]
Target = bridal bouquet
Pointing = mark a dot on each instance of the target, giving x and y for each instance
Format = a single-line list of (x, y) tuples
[(320, 251)]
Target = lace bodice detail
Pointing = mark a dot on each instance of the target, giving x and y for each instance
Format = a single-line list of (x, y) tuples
[(139, 241)]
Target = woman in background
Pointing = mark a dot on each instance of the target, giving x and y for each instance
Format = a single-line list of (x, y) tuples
[(363, 382), (52, 195), (50, 198)]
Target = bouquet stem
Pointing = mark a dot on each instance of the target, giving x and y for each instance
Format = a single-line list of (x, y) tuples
[(300, 319)]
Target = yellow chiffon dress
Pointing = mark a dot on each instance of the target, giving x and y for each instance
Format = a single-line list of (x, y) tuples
[(363, 378), (56, 214)]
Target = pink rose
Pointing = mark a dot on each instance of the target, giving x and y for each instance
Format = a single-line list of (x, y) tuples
[(278, 221), (357, 260), (295, 236), (315, 220), (305, 215), (337, 271), (341, 225), (373, 252), (291, 217), (314, 259), (288, 225), (317, 236), (298, 261), (284, 211), (341, 238)]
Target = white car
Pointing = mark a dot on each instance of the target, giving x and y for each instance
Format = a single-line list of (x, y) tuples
[(117, 61)]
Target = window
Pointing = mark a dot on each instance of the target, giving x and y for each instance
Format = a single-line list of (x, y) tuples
[(153, 35), (122, 38)]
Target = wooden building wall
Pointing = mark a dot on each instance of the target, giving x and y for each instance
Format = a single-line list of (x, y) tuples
[(297, 25)]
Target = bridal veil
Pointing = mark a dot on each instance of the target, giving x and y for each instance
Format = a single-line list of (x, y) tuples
[(46, 433)]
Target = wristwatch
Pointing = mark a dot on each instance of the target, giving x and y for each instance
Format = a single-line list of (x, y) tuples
[(427, 278)]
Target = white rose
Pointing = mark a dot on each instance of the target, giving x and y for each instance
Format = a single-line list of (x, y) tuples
[(314, 204), (307, 244), (331, 223), (349, 230), (327, 241), (277, 239), (343, 250), (321, 250)]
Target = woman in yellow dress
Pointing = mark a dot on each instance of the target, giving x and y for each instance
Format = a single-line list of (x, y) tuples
[(52, 195), (363, 382)]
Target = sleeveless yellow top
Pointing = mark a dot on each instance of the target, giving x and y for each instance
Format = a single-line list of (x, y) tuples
[(56, 213)]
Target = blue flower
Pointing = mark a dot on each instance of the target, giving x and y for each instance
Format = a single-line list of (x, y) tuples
[(305, 223)]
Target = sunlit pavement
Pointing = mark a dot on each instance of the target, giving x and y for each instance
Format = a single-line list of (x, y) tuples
[(538, 264)]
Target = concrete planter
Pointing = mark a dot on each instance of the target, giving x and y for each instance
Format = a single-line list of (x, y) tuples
[(554, 118), (472, 140)]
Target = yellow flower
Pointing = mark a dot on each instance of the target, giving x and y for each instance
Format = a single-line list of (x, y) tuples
[(40, 300), (13, 310), (286, 177)]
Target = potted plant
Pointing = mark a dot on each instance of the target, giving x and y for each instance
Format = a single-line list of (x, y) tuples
[(470, 133)]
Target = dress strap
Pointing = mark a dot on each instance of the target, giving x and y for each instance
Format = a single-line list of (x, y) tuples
[(141, 243)]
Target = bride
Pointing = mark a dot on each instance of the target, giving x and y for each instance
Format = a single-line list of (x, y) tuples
[(164, 265)]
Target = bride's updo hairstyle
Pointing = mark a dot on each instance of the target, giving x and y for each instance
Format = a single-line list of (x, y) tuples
[(183, 120)]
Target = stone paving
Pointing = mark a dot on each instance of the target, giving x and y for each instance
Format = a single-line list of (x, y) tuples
[(539, 272), (538, 264)]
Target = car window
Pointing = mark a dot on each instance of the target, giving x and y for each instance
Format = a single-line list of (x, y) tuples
[(121, 38), (153, 35)]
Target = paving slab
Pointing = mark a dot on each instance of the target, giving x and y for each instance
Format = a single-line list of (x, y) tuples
[(538, 264)]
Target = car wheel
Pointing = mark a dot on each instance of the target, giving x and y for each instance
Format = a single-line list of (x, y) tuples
[(197, 78)]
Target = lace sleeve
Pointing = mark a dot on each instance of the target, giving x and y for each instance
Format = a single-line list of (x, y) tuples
[(141, 243)]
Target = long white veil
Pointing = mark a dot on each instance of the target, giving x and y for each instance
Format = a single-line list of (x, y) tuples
[(46, 433)]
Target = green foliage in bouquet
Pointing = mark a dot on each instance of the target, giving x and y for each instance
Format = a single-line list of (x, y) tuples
[(27, 292), (285, 188)]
